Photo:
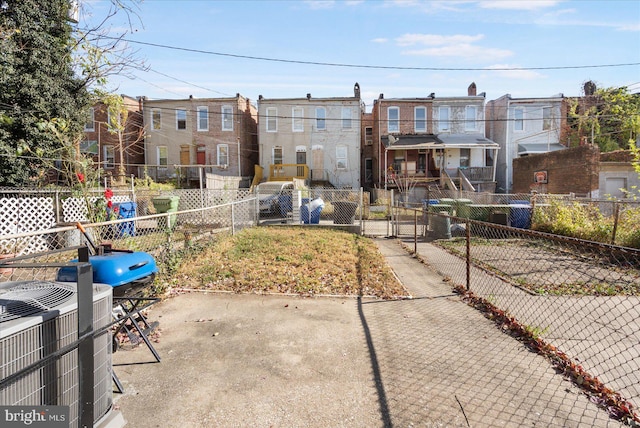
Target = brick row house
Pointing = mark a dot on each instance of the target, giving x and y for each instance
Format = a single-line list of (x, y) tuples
[(429, 141), (188, 137), (114, 150)]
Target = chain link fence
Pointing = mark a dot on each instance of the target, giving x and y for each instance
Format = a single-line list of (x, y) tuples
[(575, 302)]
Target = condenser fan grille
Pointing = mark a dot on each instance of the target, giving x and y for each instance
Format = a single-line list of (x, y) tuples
[(32, 297)]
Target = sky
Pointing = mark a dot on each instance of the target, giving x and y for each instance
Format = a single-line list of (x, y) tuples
[(399, 48)]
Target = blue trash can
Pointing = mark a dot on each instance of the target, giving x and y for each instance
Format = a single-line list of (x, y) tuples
[(126, 210), (315, 206), (520, 214)]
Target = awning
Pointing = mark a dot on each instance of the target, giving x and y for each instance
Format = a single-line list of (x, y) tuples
[(440, 141), (537, 148)]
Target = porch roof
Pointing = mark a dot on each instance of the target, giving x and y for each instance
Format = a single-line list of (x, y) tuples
[(440, 141)]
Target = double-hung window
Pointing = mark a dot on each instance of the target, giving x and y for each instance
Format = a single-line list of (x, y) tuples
[(227, 118), (163, 157), (90, 125), (297, 119), (341, 157), (420, 119), (156, 119), (223, 154), (321, 117), (272, 119), (109, 156), (546, 118), (518, 119), (393, 119), (443, 119), (203, 118), (181, 119), (346, 117), (470, 118)]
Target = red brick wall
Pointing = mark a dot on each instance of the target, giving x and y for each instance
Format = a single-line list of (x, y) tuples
[(574, 170)]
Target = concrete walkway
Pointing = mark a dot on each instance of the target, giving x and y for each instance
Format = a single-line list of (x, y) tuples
[(271, 361)]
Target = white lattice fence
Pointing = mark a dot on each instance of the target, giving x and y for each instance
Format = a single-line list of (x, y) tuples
[(19, 215)]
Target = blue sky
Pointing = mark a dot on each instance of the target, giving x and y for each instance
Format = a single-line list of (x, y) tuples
[(402, 48)]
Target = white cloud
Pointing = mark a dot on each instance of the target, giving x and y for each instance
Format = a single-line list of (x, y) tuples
[(512, 72), (629, 27), (380, 40), (517, 4), (320, 4), (462, 50), (436, 39)]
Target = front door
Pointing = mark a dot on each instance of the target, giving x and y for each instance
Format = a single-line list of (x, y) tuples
[(301, 160)]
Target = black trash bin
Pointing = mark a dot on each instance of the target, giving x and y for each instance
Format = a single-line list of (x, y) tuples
[(344, 212)]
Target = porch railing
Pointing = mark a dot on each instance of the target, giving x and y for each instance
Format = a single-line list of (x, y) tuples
[(288, 171)]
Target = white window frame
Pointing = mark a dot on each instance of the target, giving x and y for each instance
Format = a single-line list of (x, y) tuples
[(108, 156), (518, 119), (393, 124), (346, 117), (222, 154), (444, 124), (470, 114), (203, 118), (547, 118), (321, 119), (162, 153), (227, 118), (417, 120), (297, 119), (342, 157), (154, 112), (179, 112), (274, 159), (92, 120), (271, 123)]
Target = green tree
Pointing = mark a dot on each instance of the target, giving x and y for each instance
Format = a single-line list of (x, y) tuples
[(39, 88), (608, 117)]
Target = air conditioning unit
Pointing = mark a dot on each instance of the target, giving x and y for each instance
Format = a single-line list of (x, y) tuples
[(38, 318), (368, 142)]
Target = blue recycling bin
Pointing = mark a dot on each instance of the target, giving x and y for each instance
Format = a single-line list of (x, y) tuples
[(520, 214), (126, 210), (310, 211), (285, 203)]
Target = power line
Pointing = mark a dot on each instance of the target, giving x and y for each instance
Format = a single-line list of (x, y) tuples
[(380, 67)]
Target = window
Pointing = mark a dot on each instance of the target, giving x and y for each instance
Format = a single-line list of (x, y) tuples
[(156, 119), (546, 118), (227, 118), (277, 155), (109, 156), (470, 116), (223, 154), (321, 116), (443, 119), (518, 119), (420, 119), (368, 136), (297, 115), (90, 125), (341, 157), (465, 158), (89, 147), (272, 119), (163, 157), (393, 119), (346, 117), (203, 118), (181, 119)]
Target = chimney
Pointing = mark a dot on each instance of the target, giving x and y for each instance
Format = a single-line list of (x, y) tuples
[(471, 90), (308, 96), (381, 96), (356, 90)]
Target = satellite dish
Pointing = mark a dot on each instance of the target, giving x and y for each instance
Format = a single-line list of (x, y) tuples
[(392, 139)]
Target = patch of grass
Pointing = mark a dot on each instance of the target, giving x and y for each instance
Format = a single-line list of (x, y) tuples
[(292, 260)]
